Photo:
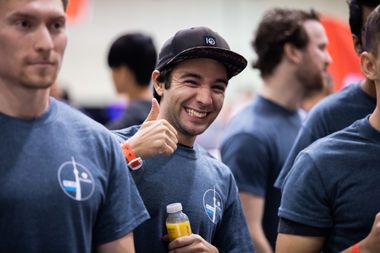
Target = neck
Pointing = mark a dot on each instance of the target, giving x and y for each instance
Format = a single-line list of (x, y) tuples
[(23, 103), (374, 119), (368, 87), (140, 93), (186, 140), (283, 89)]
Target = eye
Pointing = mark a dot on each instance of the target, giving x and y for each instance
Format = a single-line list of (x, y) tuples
[(191, 82), (220, 88), (58, 25), (24, 24)]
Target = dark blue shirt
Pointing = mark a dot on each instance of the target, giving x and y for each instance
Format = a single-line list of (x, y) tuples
[(334, 185), (332, 114), (256, 144), (207, 191), (64, 184)]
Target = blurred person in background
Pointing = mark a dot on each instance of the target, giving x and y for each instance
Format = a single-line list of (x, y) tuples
[(291, 55), (132, 58), (342, 108), (312, 98)]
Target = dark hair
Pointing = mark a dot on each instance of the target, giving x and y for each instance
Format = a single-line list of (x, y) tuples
[(137, 51), (278, 27), (356, 16), (65, 3), (165, 78), (371, 32)]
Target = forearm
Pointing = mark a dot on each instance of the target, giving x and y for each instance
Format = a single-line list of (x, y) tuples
[(260, 242)]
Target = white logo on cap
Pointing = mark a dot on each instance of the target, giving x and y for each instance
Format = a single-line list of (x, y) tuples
[(210, 41)]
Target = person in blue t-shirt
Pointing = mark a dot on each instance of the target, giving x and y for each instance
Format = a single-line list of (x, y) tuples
[(293, 59), (131, 59), (190, 80), (64, 186), (330, 197), (341, 109)]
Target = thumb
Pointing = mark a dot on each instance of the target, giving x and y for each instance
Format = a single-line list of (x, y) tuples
[(154, 111)]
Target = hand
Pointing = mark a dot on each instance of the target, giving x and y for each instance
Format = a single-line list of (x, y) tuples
[(192, 243), (155, 136)]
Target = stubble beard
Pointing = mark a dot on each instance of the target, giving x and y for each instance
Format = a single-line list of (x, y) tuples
[(311, 82)]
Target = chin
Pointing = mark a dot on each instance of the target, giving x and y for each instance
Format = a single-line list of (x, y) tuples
[(43, 84)]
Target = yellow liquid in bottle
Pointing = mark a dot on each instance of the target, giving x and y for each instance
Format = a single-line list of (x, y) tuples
[(176, 230)]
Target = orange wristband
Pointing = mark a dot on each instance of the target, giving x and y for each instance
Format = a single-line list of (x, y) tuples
[(134, 163), (128, 152), (355, 248)]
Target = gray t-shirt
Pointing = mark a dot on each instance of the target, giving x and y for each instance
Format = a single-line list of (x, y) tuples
[(207, 191), (255, 146), (64, 184)]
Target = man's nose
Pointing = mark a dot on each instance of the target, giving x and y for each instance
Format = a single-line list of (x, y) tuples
[(44, 40)]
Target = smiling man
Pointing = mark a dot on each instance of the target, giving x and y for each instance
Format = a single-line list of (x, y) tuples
[(190, 80)]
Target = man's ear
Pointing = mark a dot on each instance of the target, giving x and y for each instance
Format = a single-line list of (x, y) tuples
[(158, 86), (292, 53), (357, 46), (368, 65)]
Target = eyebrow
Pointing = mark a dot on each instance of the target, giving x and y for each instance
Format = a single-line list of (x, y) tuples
[(17, 15), (194, 75)]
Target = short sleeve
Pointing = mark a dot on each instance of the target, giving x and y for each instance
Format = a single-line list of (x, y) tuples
[(305, 198), (122, 209), (248, 159)]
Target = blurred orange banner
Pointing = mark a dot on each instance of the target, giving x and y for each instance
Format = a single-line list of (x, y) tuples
[(76, 10), (345, 68)]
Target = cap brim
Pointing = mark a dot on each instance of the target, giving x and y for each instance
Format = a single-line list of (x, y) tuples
[(235, 63)]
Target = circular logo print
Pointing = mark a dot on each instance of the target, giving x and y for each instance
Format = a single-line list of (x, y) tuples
[(76, 180), (213, 205)]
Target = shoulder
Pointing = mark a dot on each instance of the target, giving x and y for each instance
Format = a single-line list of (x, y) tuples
[(214, 164), (73, 119), (331, 149), (247, 124), (125, 133), (342, 101)]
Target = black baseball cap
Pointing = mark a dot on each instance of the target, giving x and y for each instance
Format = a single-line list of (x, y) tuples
[(199, 42)]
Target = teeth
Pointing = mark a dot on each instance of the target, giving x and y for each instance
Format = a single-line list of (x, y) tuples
[(193, 113)]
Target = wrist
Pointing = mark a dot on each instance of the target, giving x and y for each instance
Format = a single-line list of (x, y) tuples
[(134, 162), (135, 146)]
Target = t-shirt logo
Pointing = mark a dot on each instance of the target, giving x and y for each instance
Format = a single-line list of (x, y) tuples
[(76, 180), (213, 205)]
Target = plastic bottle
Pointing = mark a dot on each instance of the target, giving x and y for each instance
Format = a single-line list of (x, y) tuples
[(177, 223)]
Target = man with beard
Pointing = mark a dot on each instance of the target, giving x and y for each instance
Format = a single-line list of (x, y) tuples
[(190, 80), (342, 108), (292, 58)]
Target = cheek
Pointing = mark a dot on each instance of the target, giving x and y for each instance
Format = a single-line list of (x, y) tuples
[(218, 100), (61, 43)]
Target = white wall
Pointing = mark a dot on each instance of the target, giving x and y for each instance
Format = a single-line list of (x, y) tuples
[(85, 71)]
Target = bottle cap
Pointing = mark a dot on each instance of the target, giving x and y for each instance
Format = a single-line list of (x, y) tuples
[(174, 207)]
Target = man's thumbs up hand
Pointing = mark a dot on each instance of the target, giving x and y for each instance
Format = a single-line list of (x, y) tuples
[(155, 136)]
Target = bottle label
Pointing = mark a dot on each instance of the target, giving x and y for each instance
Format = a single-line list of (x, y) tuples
[(176, 230)]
